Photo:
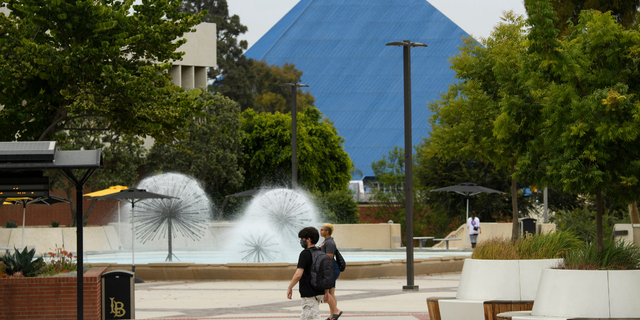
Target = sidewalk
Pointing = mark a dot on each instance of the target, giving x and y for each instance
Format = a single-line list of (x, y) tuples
[(257, 300)]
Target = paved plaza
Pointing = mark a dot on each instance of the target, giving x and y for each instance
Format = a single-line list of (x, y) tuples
[(382, 299)]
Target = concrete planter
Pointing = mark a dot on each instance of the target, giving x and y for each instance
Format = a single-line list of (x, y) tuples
[(588, 294), (488, 287)]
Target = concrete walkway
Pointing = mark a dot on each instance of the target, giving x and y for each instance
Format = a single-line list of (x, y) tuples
[(382, 299)]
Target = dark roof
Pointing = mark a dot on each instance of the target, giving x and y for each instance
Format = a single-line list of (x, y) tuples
[(357, 81), (30, 153)]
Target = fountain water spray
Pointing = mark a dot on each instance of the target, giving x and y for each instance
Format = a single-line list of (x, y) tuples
[(268, 231), (187, 215)]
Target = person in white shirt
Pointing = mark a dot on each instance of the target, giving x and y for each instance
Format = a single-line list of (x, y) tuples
[(473, 224)]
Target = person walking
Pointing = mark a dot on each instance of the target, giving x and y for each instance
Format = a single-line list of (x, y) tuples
[(473, 224), (311, 298), (329, 247)]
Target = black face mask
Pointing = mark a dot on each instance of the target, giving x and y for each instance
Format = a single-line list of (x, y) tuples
[(303, 243)]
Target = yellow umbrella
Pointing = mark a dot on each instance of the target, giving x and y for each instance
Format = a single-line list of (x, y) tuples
[(110, 190), (104, 192)]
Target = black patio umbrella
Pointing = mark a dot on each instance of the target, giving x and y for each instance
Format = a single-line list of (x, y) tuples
[(467, 189), (133, 196), (48, 200)]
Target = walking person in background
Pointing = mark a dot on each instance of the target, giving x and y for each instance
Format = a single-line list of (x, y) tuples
[(311, 298), (473, 224), (329, 247)]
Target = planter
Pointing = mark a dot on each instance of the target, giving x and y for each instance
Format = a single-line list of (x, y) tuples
[(489, 287), (50, 297), (588, 294)]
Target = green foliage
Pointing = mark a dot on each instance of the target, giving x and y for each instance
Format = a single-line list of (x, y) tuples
[(212, 150), (337, 206), (270, 97), (548, 246), (54, 224), (10, 224), (580, 222), (22, 262), (624, 11), (3, 269), (102, 64), (613, 256), (323, 164)]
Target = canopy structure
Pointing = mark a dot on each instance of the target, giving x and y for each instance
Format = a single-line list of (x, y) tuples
[(467, 189), (133, 196), (104, 192), (28, 156)]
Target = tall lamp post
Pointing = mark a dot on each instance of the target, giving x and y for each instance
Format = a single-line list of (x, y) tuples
[(294, 134), (408, 161)]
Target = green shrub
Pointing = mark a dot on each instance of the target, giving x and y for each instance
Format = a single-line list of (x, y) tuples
[(614, 256), (23, 262), (582, 222), (548, 246), (337, 206), (54, 224), (11, 224)]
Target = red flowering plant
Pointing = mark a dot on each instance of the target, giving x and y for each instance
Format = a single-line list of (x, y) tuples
[(59, 261)]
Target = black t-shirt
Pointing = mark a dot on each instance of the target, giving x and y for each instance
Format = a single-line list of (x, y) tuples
[(304, 285)]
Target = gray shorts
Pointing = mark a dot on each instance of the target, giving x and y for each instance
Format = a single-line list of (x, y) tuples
[(474, 238), (311, 308)]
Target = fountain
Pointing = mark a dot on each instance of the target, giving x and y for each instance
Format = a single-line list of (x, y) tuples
[(187, 215), (268, 230)]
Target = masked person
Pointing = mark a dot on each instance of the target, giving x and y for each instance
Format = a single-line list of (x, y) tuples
[(311, 298), (473, 224)]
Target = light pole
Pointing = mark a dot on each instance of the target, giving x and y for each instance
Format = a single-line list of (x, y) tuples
[(294, 134), (408, 161)]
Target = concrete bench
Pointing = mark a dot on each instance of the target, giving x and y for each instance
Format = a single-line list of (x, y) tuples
[(490, 287), (422, 240), (447, 241)]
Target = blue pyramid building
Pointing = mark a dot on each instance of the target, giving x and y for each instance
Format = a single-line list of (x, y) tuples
[(357, 81)]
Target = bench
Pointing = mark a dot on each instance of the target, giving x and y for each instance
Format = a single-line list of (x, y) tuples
[(447, 241), (422, 240)]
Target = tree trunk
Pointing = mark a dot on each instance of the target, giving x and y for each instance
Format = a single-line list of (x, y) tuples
[(514, 205), (88, 211), (633, 212), (72, 205), (599, 238)]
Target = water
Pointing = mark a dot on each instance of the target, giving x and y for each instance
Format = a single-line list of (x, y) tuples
[(223, 256)]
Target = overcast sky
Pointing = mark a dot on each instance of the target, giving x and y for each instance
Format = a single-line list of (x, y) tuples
[(476, 17)]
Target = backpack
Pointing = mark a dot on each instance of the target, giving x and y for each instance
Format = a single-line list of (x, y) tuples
[(340, 260), (321, 270)]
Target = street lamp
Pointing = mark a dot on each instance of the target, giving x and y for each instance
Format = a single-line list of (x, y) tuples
[(294, 134), (408, 161)]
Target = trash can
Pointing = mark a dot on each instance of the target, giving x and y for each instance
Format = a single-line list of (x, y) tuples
[(527, 225), (118, 299)]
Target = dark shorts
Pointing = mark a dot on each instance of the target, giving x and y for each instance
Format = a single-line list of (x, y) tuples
[(336, 273)]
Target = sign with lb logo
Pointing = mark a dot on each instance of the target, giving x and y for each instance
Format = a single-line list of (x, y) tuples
[(118, 295), (117, 308)]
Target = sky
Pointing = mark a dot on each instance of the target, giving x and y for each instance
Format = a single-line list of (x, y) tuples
[(476, 17)]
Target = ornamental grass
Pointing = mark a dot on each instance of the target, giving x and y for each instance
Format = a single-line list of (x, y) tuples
[(547, 246), (613, 256)]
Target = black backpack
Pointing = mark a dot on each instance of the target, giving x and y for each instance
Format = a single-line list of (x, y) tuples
[(321, 270), (340, 260)]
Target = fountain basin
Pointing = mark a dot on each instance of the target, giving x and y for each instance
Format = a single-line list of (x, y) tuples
[(186, 271)]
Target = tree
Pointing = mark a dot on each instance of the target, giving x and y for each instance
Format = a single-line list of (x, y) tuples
[(234, 75), (97, 64), (323, 164), (212, 150), (624, 11), (337, 206), (270, 97), (123, 156), (464, 117), (587, 123)]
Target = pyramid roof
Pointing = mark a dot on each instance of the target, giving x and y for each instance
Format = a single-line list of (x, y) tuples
[(357, 81)]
